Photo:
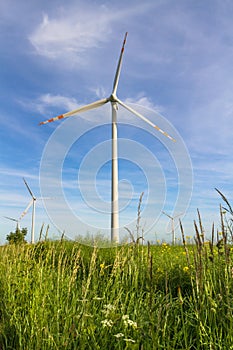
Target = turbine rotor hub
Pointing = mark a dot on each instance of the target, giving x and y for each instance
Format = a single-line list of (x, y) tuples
[(113, 98)]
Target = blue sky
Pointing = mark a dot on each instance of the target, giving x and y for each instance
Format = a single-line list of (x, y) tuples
[(177, 71)]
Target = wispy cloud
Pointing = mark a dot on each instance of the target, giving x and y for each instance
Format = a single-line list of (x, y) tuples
[(142, 100), (47, 102), (73, 30), (19, 128), (17, 173), (70, 35)]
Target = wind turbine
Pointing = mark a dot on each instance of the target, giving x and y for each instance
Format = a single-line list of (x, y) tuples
[(114, 100), (33, 204), (173, 226)]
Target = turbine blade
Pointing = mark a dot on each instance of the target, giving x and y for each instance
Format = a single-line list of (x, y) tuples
[(118, 70), (170, 217), (12, 219), (29, 190), (88, 107), (145, 119), (26, 210)]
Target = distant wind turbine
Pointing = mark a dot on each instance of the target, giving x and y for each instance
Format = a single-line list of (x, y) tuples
[(114, 100), (33, 204), (173, 226)]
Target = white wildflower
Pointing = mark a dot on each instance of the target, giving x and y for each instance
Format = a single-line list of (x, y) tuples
[(129, 340), (109, 307), (127, 322), (125, 317), (132, 324), (119, 335), (107, 323), (98, 298)]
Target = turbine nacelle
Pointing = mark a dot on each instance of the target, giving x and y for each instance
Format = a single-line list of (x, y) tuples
[(113, 98)]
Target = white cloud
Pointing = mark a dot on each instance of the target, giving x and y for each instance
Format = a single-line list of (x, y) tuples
[(144, 101), (45, 102), (71, 34), (58, 101), (19, 128), (17, 173), (100, 92)]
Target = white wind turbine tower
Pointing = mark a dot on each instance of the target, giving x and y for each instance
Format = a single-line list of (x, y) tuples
[(114, 100), (173, 226)]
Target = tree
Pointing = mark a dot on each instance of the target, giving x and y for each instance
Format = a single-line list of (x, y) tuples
[(17, 237)]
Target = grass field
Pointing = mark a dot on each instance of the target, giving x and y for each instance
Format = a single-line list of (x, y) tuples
[(64, 295)]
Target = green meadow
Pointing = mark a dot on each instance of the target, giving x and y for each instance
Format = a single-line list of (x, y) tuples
[(65, 295)]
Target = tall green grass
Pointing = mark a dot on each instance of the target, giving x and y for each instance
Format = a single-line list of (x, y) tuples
[(63, 295)]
